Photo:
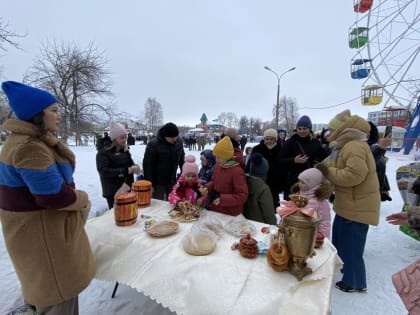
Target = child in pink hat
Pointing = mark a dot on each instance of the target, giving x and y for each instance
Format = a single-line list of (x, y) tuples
[(317, 188), (188, 186)]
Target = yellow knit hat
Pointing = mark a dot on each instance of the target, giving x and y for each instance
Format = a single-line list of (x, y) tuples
[(223, 149)]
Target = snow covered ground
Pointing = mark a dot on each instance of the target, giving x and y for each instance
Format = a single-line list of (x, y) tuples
[(387, 251)]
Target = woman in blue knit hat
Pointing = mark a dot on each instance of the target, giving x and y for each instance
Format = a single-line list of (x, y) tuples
[(300, 152), (41, 212)]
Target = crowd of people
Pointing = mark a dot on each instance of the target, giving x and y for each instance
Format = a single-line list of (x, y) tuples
[(40, 204)]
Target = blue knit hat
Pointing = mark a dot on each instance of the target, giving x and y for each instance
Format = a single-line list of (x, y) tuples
[(305, 122), (26, 101), (258, 166)]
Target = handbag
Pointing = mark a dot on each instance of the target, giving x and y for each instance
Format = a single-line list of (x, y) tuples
[(407, 283)]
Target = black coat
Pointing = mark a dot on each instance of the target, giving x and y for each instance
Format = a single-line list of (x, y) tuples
[(112, 166), (308, 146), (131, 140), (274, 175), (103, 143), (162, 159)]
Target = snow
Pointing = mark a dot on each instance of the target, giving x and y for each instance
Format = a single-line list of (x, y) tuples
[(387, 251)]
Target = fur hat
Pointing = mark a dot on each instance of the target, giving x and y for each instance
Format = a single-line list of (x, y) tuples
[(258, 166), (26, 101), (189, 165), (311, 177), (116, 130), (169, 130), (305, 122), (270, 133), (223, 149), (339, 120)]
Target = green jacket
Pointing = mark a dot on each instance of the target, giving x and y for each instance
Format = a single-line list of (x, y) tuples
[(259, 206)]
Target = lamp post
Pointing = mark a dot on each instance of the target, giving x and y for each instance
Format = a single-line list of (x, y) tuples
[(278, 91)]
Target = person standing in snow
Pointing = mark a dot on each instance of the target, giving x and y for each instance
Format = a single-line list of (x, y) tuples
[(115, 164), (269, 149), (352, 169), (163, 155), (41, 212), (300, 152)]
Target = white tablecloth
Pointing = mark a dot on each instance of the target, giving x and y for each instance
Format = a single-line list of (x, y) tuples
[(221, 283)]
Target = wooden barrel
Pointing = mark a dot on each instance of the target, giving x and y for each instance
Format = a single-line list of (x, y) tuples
[(125, 210), (143, 190)]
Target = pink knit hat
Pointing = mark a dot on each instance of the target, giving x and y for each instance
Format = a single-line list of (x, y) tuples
[(116, 130), (189, 165), (311, 177)]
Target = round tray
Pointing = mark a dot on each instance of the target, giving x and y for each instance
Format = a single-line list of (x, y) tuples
[(179, 215), (163, 228), (241, 228)]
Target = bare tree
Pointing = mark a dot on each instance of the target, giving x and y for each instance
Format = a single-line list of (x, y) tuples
[(153, 114), (7, 37), (228, 119), (289, 113), (255, 126), (243, 125), (78, 78)]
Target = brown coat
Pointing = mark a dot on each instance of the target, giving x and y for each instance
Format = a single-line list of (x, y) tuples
[(353, 172), (49, 248)]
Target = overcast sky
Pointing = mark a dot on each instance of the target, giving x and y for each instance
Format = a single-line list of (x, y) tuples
[(199, 57)]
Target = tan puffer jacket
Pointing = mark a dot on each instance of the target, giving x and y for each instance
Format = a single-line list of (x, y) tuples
[(353, 172)]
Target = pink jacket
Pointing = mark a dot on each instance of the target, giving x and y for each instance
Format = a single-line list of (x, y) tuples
[(183, 191), (323, 209)]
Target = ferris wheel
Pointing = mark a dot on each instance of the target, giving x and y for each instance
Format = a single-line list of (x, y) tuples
[(386, 36)]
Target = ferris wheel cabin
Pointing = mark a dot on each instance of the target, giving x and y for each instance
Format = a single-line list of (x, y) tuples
[(360, 68), (361, 6), (394, 116), (371, 94), (358, 37)]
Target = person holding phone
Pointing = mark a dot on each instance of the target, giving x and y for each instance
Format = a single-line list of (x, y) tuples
[(388, 132), (378, 147)]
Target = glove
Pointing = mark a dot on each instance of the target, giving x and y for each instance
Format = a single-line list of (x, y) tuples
[(323, 168), (135, 169)]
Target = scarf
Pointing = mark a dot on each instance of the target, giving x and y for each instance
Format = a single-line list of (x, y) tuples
[(349, 134)]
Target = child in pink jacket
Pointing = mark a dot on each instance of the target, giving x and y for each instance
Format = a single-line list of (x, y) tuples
[(317, 188), (188, 187)]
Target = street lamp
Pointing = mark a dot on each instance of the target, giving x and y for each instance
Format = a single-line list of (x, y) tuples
[(278, 91)]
